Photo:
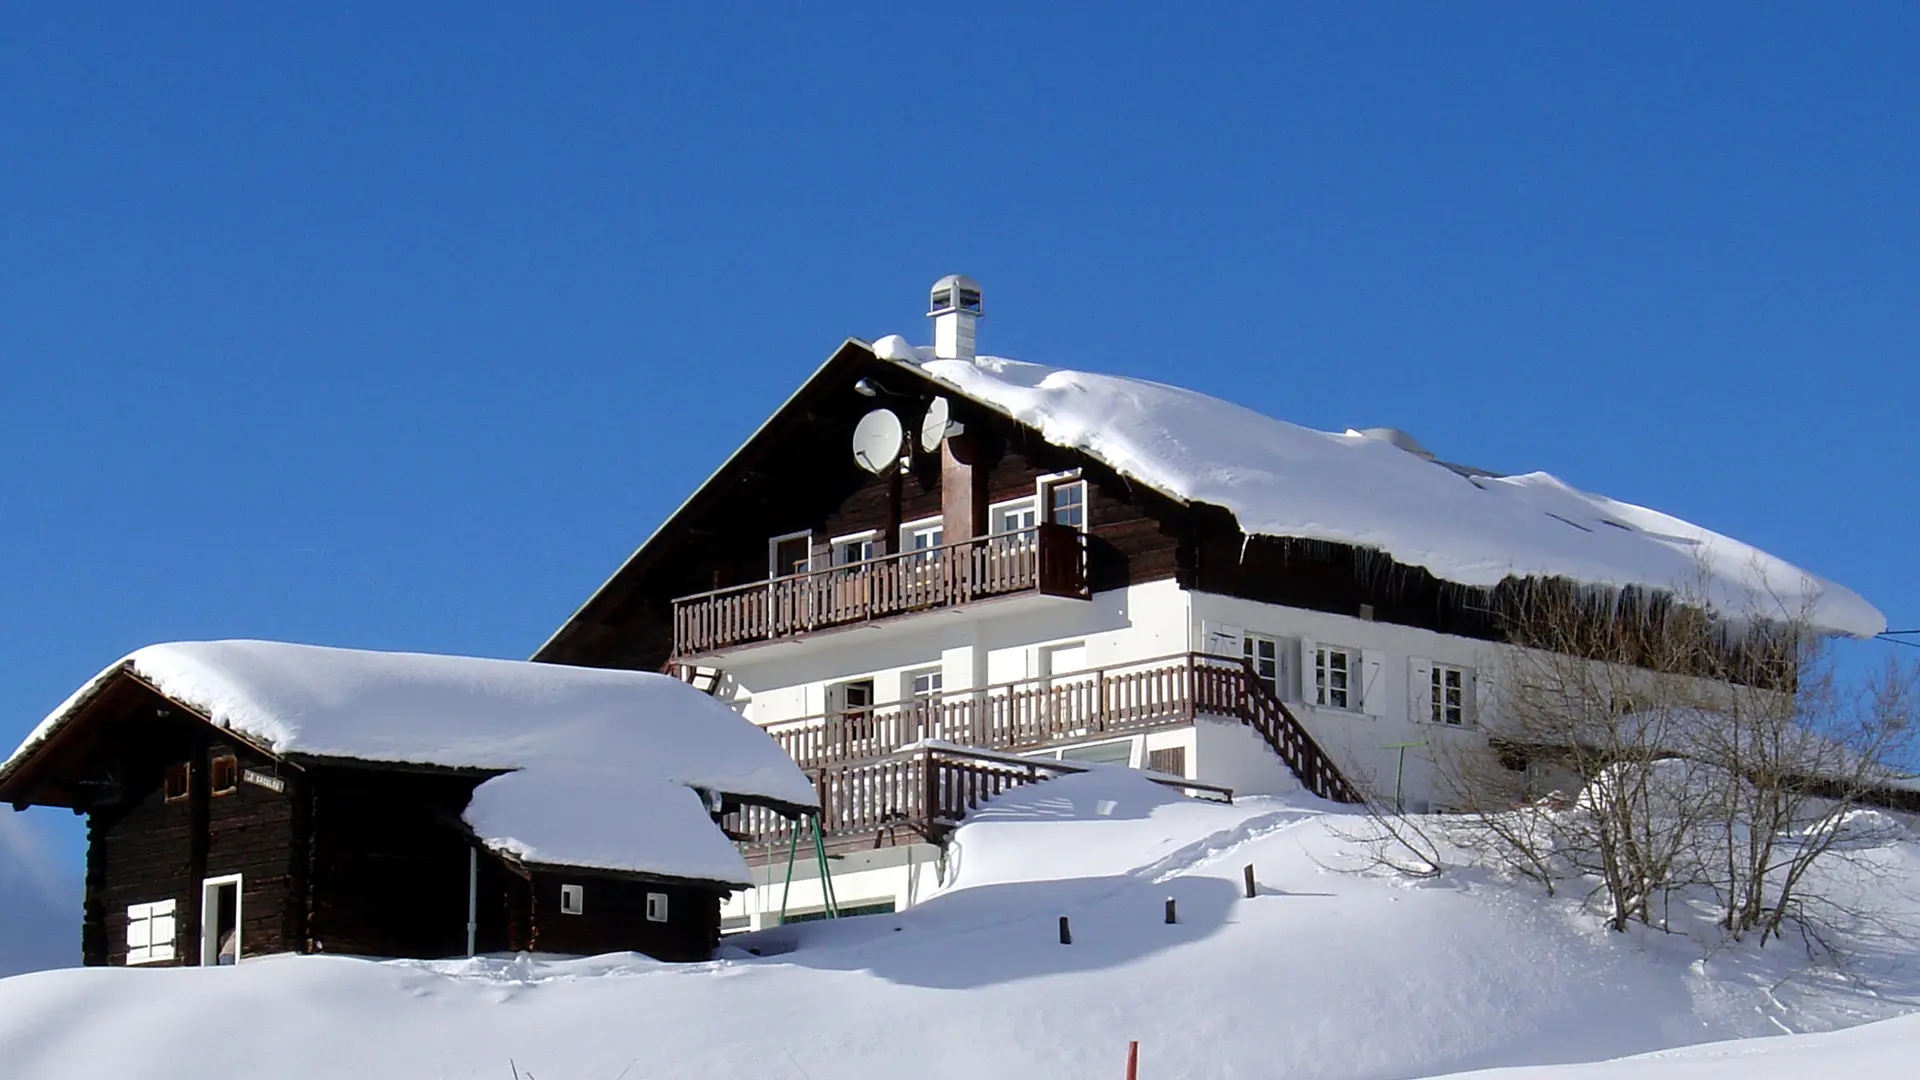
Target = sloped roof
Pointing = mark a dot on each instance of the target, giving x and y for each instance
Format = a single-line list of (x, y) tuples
[(1281, 479), (602, 765)]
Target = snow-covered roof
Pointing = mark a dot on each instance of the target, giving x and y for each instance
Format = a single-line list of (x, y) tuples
[(603, 763), (1281, 479)]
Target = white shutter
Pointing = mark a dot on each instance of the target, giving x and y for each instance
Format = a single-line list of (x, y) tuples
[(1474, 701), (1373, 698), (1220, 639), (1419, 690), (1288, 651), (139, 928), (1309, 649)]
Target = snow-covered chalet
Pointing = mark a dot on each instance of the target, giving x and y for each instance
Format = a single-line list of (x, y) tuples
[(253, 797), (933, 574)]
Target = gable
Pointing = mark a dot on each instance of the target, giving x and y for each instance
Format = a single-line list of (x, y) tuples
[(797, 474)]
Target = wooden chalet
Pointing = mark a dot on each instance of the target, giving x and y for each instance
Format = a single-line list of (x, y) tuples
[(800, 579), (246, 798)]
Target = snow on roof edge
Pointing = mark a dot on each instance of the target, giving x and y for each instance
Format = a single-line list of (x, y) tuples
[(1298, 482)]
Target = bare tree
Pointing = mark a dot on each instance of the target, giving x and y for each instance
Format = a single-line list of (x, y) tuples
[(1647, 747)]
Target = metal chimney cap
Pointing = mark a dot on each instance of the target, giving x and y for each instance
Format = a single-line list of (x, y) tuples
[(954, 293)]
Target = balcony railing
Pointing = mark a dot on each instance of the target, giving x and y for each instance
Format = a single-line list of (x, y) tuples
[(1049, 559), (918, 794), (1032, 713)]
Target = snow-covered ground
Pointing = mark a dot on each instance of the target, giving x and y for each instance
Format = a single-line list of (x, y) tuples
[(1329, 972)]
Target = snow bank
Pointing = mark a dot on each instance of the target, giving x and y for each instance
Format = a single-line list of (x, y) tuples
[(1884, 1049), (1280, 479), (604, 762), (1324, 975)]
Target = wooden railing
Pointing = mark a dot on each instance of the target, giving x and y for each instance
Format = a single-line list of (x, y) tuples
[(918, 794), (1032, 713), (1048, 559)]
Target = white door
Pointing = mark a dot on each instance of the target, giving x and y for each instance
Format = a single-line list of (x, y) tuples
[(220, 921)]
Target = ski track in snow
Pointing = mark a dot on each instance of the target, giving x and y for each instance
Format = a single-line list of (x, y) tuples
[(1219, 844)]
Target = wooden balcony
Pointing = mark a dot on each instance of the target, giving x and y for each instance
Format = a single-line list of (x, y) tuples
[(1049, 560), (860, 750), (918, 794)]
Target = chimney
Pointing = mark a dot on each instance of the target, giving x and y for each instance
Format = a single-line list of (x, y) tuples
[(954, 307)]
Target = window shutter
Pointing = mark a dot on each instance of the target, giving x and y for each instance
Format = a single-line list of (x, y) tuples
[(1373, 697), (1288, 650), (1474, 701), (1309, 648), (1420, 690), (1219, 639)]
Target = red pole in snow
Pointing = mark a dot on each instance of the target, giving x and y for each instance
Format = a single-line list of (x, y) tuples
[(1133, 1060)]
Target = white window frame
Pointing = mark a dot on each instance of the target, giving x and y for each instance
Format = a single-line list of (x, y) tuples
[(1250, 645), (1437, 707), (142, 922), (869, 537), (657, 910), (773, 553), (573, 899), (1026, 504), (1322, 677), (912, 693), (911, 529), (209, 927), (1043, 495)]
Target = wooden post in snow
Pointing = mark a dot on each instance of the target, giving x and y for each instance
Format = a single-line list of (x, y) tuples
[(1249, 876), (1066, 935), (1133, 1060), (1170, 917)]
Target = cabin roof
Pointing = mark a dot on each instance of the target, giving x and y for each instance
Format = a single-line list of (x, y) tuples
[(599, 767)]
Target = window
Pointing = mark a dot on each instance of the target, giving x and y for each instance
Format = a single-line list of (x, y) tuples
[(150, 929), (1333, 677), (573, 899), (853, 702), (1108, 753), (656, 907), (922, 535), (1067, 502), (1172, 760), (923, 686), (790, 554), (1263, 656), (178, 782), (223, 775), (857, 548), (1448, 698), (1011, 517)]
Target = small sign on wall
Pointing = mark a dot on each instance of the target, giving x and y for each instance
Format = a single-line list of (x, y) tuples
[(260, 779)]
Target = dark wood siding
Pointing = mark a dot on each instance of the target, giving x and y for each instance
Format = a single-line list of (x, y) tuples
[(802, 477), (614, 916), (142, 848), (390, 863)]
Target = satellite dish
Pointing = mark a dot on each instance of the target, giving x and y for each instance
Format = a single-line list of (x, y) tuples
[(876, 440), (938, 425)]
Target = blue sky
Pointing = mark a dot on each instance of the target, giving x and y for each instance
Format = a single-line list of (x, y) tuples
[(400, 326)]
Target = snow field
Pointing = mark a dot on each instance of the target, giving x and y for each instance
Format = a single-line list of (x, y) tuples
[(1330, 972)]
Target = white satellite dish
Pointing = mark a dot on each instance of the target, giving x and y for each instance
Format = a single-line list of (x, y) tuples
[(876, 440), (938, 425)]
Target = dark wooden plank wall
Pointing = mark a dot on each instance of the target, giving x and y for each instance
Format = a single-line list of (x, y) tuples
[(144, 848), (614, 916), (389, 863)]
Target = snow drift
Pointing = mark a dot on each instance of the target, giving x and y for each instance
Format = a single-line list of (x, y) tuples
[(1329, 973)]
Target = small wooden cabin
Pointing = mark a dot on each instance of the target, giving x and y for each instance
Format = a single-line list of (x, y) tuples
[(245, 798)]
